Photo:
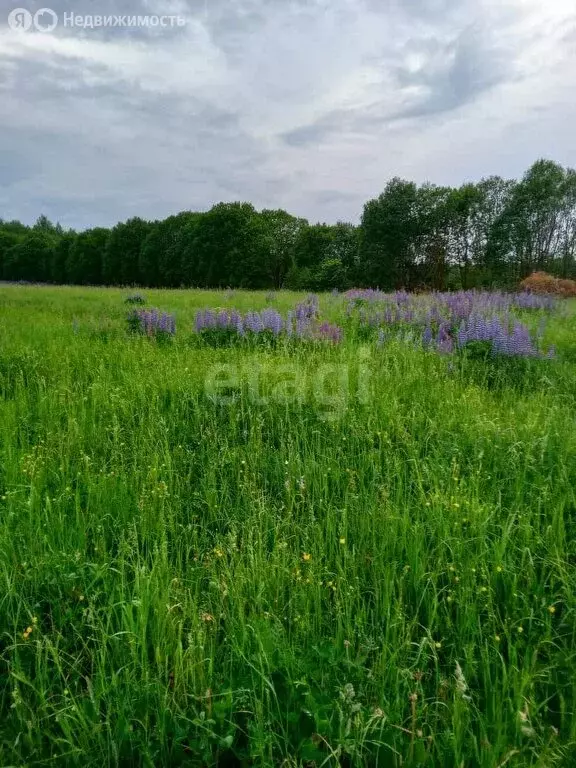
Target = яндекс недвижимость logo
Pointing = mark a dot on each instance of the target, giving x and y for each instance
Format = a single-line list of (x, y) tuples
[(44, 20)]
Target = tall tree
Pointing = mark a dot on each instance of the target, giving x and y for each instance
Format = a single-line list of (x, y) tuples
[(528, 228), (122, 253), (84, 265), (29, 259), (281, 233), (230, 246), (567, 244), (58, 269), (389, 233)]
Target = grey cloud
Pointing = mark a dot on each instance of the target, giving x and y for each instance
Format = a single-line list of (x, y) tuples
[(453, 75), (308, 105), (120, 151), (308, 134)]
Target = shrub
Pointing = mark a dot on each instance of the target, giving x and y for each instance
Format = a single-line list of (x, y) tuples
[(135, 298), (545, 284)]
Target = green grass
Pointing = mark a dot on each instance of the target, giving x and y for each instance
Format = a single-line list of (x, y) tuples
[(380, 573)]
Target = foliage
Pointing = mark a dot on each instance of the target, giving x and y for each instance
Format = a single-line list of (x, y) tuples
[(493, 233)]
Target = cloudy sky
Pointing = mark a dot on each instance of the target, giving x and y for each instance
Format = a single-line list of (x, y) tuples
[(308, 105)]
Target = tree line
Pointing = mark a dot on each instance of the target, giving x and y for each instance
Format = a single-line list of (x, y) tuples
[(487, 234)]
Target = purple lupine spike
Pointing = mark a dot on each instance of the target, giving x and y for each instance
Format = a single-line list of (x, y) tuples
[(253, 322), (152, 323), (272, 321), (329, 332)]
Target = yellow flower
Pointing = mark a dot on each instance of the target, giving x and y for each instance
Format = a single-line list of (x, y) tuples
[(551, 609), (306, 557), (342, 540), (438, 645), (497, 638), (498, 569), (520, 630)]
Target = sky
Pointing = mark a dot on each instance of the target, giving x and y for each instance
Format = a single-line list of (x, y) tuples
[(307, 105)]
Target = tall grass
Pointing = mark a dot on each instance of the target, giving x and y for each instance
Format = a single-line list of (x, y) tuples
[(362, 580)]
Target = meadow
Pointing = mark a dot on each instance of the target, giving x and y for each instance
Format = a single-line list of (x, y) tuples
[(349, 548)]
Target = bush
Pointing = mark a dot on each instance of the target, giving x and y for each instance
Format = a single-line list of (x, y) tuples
[(545, 284)]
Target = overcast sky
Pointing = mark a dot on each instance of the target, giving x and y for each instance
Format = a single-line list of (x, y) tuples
[(308, 105)]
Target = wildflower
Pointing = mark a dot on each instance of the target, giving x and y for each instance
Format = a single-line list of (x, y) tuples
[(497, 638), (525, 724), (342, 540), (520, 629), (306, 557), (438, 645), (27, 632), (461, 684), (499, 569), (551, 609)]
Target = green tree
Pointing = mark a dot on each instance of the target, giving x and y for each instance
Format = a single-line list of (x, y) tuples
[(528, 230), (181, 262), (121, 264), (84, 265), (30, 257), (58, 270), (9, 237), (567, 245), (230, 247), (281, 233), (389, 233)]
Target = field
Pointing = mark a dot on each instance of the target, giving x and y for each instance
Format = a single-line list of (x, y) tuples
[(281, 552)]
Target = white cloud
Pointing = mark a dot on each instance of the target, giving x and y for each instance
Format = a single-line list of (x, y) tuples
[(311, 106)]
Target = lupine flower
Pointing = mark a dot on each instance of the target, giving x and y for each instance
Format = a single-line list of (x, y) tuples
[(302, 322), (272, 321), (152, 322), (329, 332)]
